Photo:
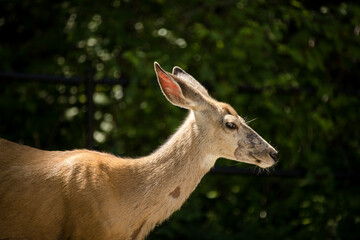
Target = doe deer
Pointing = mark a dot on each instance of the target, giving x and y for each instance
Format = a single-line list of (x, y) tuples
[(84, 194)]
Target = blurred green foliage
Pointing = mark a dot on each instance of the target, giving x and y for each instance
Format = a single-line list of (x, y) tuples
[(280, 46)]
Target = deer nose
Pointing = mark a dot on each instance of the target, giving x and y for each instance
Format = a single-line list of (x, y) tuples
[(274, 155)]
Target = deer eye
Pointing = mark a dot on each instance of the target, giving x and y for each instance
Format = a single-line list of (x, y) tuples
[(231, 126)]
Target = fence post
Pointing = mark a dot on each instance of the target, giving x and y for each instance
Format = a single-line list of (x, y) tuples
[(89, 84)]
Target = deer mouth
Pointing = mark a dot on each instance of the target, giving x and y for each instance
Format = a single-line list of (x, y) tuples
[(261, 158), (261, 162), (257, 160)]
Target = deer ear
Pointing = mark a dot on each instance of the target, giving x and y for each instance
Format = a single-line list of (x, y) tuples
[(177, 71), (170, 87), (179, 91)]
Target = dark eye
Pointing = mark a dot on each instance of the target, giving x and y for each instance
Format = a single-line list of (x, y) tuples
[(231, 125)]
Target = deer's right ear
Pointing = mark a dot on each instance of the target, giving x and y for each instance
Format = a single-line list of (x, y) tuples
[(170, 87)]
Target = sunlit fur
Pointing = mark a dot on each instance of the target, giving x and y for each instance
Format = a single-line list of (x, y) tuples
[(84, 194)]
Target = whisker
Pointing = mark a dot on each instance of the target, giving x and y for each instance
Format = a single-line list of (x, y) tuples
[(259, 170), (249, 121), (235, 164)]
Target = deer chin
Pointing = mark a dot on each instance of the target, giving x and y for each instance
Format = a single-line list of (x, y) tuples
[(257, 161), (261, 160)]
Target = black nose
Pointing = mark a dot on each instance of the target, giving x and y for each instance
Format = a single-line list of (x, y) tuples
[(274, 156)]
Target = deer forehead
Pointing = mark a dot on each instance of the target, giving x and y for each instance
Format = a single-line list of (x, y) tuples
[(228, 112), (229, 109)]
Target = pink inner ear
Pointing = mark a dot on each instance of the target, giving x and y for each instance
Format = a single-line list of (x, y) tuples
[(170, 88)]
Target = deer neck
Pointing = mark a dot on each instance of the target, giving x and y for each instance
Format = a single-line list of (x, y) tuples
[(165, 179), (187, 151), (174, 170)]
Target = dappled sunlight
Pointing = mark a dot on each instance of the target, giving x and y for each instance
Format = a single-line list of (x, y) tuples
[(290, 68)]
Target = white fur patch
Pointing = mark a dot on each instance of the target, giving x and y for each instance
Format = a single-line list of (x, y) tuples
[(208, 162)]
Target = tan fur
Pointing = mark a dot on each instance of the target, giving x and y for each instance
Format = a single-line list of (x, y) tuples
[(84, 194)]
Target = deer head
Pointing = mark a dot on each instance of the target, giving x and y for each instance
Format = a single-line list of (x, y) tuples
[(226, 134)]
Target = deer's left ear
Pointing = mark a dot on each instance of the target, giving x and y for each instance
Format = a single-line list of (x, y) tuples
[(177, 91), (177, 71)]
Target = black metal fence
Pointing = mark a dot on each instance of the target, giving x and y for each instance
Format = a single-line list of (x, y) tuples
[(90, 84)]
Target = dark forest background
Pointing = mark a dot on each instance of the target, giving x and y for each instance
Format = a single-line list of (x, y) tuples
[(293, 66)]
